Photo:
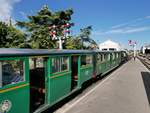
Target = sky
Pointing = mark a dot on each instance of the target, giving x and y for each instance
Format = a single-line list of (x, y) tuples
[(117, 20)]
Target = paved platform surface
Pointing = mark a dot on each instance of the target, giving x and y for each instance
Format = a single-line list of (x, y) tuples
[(126, 90)]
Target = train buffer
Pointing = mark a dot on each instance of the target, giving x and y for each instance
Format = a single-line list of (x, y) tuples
[(126, 90)]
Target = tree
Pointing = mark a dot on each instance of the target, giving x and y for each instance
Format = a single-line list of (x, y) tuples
[(40, 26), (10, 36), (16, 38), (72, 43), (86, 41), (3, 34)]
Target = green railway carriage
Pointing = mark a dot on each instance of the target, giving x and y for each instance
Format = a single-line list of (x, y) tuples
[(124, 56), (33, 80), (106, 61)]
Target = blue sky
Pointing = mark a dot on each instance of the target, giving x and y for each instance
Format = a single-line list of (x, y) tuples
[(118, 20)]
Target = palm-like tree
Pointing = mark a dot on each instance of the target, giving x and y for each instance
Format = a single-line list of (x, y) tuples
[(86, 40)]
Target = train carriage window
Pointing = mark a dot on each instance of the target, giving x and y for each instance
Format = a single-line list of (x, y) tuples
[(65, 63), (124, 54), (39, 63), (83, 60), (89, 59), (98, 58), (101, 57), (105, 57), (36, 63), (12, 71), (113, 56), (116, 55), (108, 57), (86, 60), (60, 64)]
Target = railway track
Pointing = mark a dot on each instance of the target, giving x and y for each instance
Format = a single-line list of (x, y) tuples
[(145, 60)]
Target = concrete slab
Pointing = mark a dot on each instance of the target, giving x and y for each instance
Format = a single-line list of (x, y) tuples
[(126, 90)]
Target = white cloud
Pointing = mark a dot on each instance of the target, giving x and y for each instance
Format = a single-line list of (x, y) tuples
[(140, 29), (134, 30), (147, 17), (136, 25), (119, 25), (131, 23), (126, 30), (6, 8)]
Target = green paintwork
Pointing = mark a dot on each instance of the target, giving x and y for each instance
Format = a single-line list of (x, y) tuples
[(86, 73), (79, 72), (19, 99), (98, 68), (18, 93), (57, 85)]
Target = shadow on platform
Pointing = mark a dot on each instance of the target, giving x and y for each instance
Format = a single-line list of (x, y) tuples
[(146, 81)]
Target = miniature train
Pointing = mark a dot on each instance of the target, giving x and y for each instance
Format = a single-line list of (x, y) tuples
[(32, 80)]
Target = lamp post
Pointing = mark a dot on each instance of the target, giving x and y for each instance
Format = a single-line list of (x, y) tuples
[(65, 33)]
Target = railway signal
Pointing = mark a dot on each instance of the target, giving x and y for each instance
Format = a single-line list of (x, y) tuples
[(65, 33)]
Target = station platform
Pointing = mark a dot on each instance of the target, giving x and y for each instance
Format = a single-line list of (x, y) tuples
[(126, 90)]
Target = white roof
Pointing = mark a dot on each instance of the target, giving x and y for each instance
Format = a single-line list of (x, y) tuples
[(109, 44)]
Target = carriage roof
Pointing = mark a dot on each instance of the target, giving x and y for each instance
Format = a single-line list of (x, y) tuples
[(4, 52)]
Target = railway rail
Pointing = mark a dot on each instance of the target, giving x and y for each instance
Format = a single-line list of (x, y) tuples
[(145, 59)]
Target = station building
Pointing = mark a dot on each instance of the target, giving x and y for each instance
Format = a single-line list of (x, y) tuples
[(109, 46), (145, 49)]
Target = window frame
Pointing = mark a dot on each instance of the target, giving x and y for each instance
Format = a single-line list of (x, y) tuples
[(25, 70), (60, 58), (86, 60), (117, 55), (108, 56), (99, 57), (113, 56)]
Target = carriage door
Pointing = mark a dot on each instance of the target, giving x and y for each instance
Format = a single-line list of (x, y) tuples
[(74, 69), (37, 82)]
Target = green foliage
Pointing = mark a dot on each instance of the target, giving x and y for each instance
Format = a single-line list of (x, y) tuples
[(38, 32), (10, 36), (3, 34), (86, 41), (82, 41), (39, 26), (16, 37), (72, 43)]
